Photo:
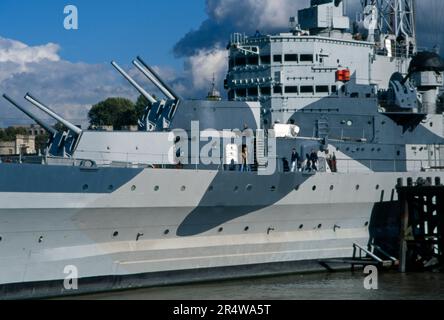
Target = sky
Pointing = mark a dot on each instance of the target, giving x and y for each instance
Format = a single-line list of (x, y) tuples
[(184, 40)]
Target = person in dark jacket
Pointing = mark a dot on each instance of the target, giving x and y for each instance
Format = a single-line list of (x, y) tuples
[(295, 161), (314, 160), (308, 164)]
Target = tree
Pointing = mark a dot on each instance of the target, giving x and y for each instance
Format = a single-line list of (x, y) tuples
[(141, 104), (117, 112), (41, 141), (10, 133)]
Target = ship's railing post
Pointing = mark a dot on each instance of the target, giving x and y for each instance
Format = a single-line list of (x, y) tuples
[(404, 227)]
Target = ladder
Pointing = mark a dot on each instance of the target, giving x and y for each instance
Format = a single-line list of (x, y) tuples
[(261, 152), (374, 256), (322, 128)]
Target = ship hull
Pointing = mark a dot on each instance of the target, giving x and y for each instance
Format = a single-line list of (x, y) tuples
[(180, 226)]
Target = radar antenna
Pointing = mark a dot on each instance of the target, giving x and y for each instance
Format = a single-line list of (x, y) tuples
[(396, 20)]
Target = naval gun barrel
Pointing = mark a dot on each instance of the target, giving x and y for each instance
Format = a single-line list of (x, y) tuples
[(43, 124), (134, 83), (54, 115), (159, 79), (154, 80)]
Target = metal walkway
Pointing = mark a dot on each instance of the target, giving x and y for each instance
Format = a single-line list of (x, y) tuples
[(374, 256)]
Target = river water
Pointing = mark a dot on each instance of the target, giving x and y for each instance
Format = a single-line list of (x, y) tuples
[(322, 286)]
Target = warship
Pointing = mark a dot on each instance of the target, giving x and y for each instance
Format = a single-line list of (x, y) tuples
[(299, 164)]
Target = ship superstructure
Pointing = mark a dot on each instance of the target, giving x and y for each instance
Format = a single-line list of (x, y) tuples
[(208, 189)]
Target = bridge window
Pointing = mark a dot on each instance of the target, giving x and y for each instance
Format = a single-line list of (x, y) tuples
[(334, 89), (322, 89), (291, 89), (253, 60), (277, 89), (231, 63), (306, 58), (306, 89), (241, 92), (265, 91), (253, 91), (291, 57), (277, 58), (265, 59), (241, 61)]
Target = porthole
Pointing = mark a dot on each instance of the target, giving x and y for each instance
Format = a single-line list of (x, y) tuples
[(349, 123), (246, 229), (1, 238), (40, 239), (236, 189), (166, 232), (366, 224), (115, 234), (273, 188), (249, 187), (398, 153), (314, 188), (110, 187), (183, 188), (301, 227), (210, 188), (319, 226), (357, 187), (332, 188), (85, 187), (348, 149), (431, 124), (297, 187), (156, 188), (133, 188), (220, 230), (377, 187)]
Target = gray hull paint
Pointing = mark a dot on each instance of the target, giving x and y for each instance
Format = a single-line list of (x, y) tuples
[(144, 231)]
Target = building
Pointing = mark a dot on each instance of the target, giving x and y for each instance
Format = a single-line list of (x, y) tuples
[(33, 129), (21, 145)]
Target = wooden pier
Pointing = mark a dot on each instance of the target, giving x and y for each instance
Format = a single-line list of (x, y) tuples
[(422, 224)]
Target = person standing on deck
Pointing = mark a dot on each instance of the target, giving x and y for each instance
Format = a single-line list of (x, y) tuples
[(295, 161), (244, 159)]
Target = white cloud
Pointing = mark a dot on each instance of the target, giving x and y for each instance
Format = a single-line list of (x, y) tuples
[(206, 63), (248, 14), (69, 88)]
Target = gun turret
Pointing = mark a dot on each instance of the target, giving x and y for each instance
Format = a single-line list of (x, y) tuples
[(40, 122), (155, 78), (54, 115), (134, 83)]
